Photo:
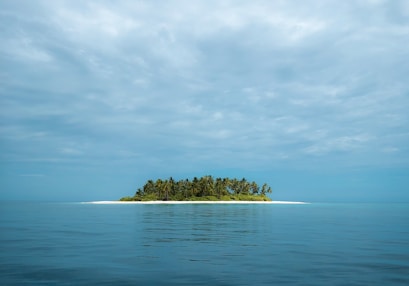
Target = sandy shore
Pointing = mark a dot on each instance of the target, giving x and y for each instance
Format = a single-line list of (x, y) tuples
[(196, 202)]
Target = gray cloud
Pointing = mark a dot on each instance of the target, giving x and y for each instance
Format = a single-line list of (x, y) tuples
[(234, 85)]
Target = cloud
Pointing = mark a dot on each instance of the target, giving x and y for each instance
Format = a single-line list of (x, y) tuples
[(345, 144), (269, 82), (31, 175)]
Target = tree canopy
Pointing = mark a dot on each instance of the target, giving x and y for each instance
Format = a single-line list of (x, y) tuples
[(204, 188)]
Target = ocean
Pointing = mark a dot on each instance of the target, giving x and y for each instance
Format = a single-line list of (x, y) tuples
[(107, 244)]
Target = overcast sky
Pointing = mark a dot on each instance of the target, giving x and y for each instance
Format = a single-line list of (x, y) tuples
[(311, 97)]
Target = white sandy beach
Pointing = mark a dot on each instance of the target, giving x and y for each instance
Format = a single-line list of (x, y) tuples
[(197, 202)]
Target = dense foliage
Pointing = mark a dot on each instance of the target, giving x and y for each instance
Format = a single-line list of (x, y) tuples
[(204, 188)]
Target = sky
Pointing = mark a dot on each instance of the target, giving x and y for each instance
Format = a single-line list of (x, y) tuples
[(310, 97)]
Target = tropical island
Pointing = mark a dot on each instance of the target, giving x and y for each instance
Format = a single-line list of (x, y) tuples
[(205, 188)]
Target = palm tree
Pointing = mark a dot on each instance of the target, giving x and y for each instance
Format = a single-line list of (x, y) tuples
[(244, 187), (265, 189), (254, 188), (219, 187), (195, 187), (204, 186), (159, 184), (149, 187)]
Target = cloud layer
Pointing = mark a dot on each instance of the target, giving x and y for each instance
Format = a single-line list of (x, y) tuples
[(182, 86)]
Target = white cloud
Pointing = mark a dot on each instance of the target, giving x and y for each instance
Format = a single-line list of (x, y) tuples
[(71, 151), (24, 49), (269, 80), (32, 175), (390, 149), (343, 144)]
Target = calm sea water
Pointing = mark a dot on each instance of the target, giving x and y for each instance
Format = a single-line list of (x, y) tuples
[(316, 244)]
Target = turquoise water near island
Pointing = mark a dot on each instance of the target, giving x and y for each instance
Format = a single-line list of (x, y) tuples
[(312, 244)]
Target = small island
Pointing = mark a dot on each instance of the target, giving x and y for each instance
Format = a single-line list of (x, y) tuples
[(205, 188)]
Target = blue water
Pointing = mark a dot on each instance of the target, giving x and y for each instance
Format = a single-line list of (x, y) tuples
[(316, 244)]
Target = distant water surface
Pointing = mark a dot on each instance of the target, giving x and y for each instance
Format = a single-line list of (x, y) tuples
[(315, 244)]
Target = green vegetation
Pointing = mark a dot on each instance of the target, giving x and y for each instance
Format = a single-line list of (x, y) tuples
[(201, 189)]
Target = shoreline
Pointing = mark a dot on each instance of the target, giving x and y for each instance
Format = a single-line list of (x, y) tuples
[(193, 202)]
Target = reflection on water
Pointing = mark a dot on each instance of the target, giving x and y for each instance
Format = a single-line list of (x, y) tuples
[(54, 244)]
